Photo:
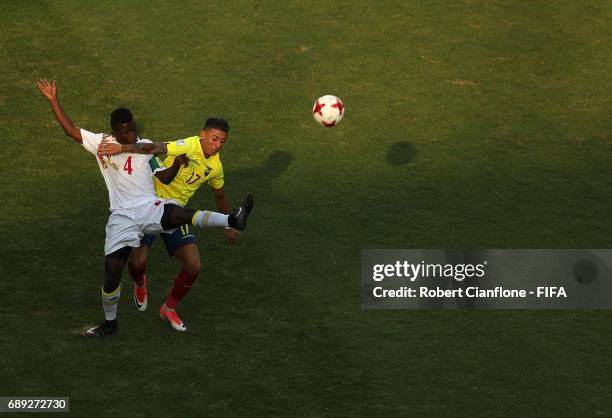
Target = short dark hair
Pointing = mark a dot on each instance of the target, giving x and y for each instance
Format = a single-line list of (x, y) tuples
[(121, 115), (216, 123)]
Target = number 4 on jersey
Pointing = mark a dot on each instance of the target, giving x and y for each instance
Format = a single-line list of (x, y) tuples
[(128, 165)]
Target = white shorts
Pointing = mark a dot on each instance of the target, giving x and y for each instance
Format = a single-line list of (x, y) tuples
[(126, 227)]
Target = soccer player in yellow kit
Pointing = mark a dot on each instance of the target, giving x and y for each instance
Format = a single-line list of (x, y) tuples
[(179, 182)]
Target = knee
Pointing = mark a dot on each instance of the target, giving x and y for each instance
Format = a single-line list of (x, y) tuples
[(192, 267), (115, 262)]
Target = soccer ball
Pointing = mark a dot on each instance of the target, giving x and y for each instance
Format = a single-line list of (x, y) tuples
[(328, 110)]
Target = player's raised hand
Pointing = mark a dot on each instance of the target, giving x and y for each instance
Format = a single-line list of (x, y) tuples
[(49, 90)]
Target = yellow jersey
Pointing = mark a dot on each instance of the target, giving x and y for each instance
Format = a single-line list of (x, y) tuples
[(188, 179)]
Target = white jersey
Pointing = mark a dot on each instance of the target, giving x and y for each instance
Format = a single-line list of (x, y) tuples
[(128, 177)]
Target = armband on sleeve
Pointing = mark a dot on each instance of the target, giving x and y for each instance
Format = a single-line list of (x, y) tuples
[(156, 164)]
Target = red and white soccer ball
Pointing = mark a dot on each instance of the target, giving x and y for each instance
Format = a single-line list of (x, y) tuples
[(328, 110)]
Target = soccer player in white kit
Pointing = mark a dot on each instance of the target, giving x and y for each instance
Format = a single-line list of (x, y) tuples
[(135, 208)]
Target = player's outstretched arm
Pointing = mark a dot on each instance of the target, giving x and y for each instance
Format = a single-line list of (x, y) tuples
[(112, 148), (49, 90)]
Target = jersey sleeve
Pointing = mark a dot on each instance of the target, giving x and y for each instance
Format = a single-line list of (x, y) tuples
[(156, 164), (217, 181), (179, 147), (91, 141)]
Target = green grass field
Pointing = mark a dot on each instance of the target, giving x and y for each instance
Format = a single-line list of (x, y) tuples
[(469, 124)]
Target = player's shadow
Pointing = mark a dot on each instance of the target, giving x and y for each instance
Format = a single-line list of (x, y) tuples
[(263, 174), (400, 153)]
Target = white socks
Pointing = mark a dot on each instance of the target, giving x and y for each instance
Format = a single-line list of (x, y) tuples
[(109, 303), (205, 218)]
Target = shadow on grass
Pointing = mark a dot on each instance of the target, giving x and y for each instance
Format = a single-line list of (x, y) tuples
[(272, 168), (400, 153)]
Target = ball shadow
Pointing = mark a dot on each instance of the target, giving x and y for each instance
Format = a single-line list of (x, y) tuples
[(401, 153)]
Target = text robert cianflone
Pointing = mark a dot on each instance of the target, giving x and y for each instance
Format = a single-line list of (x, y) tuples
[(547, 292), (412, 271), (437, 292)]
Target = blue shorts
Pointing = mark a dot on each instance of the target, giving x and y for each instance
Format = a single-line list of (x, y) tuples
[(173, 241)]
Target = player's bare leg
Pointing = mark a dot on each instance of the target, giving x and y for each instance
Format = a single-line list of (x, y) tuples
[(137, 265), (189, 256)]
